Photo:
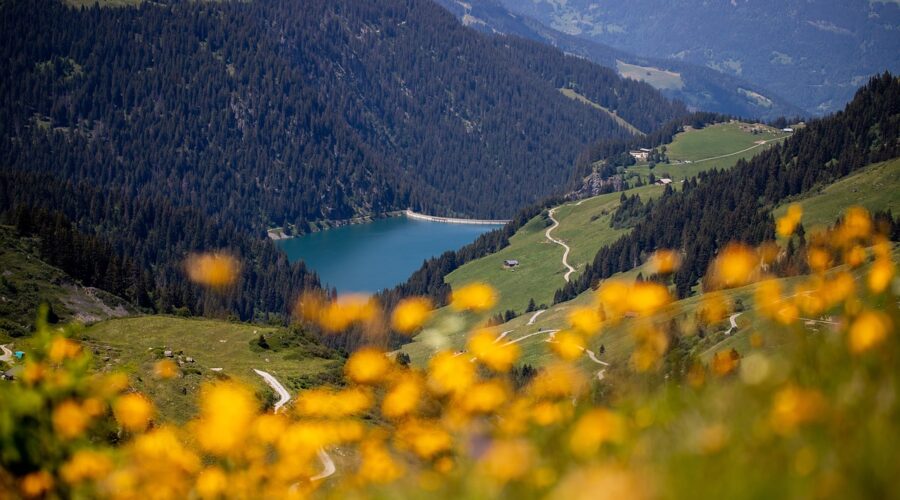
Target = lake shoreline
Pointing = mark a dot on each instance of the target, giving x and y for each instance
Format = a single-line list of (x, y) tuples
[(278, 234)]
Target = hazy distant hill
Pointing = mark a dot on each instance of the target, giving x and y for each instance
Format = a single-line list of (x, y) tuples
[(815, 53), (696, 85)]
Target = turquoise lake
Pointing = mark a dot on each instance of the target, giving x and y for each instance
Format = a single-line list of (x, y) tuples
[(376, 255)]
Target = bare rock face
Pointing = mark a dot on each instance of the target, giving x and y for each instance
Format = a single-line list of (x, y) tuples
[(594, 185)]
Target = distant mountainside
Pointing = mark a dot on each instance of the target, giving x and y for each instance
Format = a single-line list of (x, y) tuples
[(268, 114), (815, 53), (697, 86)]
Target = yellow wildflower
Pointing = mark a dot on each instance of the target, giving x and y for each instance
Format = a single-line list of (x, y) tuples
[(86, 465), (323, 402), (410, 314), (133, 412), (593, 429), (62, 348), (378, 466), (586, 320), (226, 412), (69, 419), (567, 344), (664, 262), (484, 397), (212, 269), (558, 380), (785, 226), (725, 362), (647, 297), (347, 310), (856, 224), (713, 307), (499, 357), (269, 426), (819, 258), (735, 266), (424, 438), (611, 482), (793, 406), (368, 366), (613, 295), (36, 484), (211, 482), (402, 399), (880, 275), (476, 297), (506, 460), (868, 330), (450, 374), (165, 369)]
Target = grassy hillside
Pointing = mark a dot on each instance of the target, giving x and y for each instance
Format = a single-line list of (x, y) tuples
[(716, 146), (136, 344), (26, 282), (875, 187), (584, 226), (540, 272)]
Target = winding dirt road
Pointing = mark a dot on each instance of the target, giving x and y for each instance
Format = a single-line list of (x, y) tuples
[(565, 257), (7, 354), (328, 467)]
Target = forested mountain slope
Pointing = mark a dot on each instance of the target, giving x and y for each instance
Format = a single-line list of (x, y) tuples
[(696, 85), (269, 114), (815, 53)]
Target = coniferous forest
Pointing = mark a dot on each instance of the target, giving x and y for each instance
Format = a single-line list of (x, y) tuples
[(154, 131)]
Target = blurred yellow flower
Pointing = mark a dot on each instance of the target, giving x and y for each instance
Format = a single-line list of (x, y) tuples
[(226, 412), (339, 314), (857, 223), (62, 348), (596, 481), (586, 320), (86, 465), (664, 262), (793, 406), (449, 374), (165, 369), (36, 484), (506, 460), (567, 344), (725, 362), (133, 412), (269, 426), (713, 307), (497, 356), (880, 275), (326, 403), (484, 397), (368, 366), (855, 256), (613, 295), (647, 297), (785, 225), (736, 265), (558, 380), (402, 398), (377, 464), (212, 269), (69, 419), (211, 482), (476, 297), (818, 258), (868, 330), (593, 429), (410, 314), (424, 438)]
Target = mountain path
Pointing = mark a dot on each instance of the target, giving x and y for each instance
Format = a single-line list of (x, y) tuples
[(328, 467), (760, 144), (565, 257)]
